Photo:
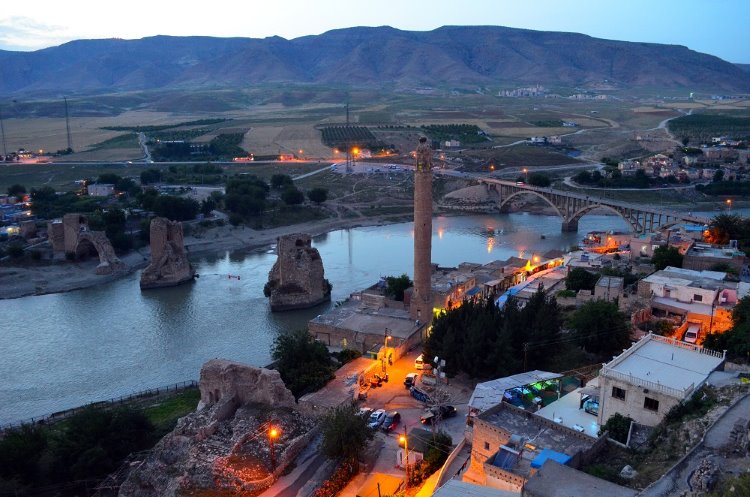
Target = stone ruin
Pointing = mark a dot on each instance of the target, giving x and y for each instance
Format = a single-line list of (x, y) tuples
[(169, 263), (224, 446), (73, 236), (297, 280)]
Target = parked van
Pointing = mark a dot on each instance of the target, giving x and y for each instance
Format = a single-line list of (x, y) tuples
[(419, 362)]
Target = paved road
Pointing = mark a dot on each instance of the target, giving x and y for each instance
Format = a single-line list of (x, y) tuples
[(675, 483)]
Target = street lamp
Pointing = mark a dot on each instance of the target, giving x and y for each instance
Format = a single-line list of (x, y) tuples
[(526, 174), (729, 203), (404, 440), (385, 351), (273, 434)]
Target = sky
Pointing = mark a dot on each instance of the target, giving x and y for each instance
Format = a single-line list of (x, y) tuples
[(716, 27)]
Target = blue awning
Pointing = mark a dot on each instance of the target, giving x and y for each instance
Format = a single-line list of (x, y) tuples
[(473, 291), (545, 454)]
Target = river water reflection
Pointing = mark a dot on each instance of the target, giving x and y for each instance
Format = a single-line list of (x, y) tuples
[(64, 350)]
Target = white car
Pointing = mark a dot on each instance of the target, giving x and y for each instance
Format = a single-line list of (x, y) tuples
[(376, 419)]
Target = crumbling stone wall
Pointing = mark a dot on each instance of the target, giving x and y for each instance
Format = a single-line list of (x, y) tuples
[(297, 279), (169, 263)]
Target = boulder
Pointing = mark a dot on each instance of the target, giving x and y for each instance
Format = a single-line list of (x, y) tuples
[(169, 263), (297, 279), (223, 380)]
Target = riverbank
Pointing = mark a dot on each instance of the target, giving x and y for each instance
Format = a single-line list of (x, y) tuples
[(65, 276)]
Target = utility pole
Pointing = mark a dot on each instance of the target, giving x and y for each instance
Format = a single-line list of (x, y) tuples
[(385, 353), (525, 354), (67, 125), (405, 439), (2, 131)]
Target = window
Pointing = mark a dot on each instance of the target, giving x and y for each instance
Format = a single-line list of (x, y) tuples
[(698, 298), (486, 446), (651, 404), (618, 393)]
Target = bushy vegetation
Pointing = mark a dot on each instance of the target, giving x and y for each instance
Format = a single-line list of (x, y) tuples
[(465, 133), (580, 279), (701, 127), (246, 196), (487, 342), (303, 362), (736, 340), (666, 256), (539, 179), (345, 433), (618, 427), (162, 127), (615, 179), (47, 204), (350, 136), (600, 328), (725, 188), (318, 195), (175, 208), (396, 285)]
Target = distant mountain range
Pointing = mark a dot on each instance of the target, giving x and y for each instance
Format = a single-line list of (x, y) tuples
[(375, 57)]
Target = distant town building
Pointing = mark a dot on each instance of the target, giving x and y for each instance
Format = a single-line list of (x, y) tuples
[(100, 189)]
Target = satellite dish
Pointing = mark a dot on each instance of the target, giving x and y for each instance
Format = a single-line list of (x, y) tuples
[(437, 360), (442, 363)]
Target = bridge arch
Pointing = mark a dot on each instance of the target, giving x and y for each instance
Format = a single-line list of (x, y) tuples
[(507, 199), (577, 215)]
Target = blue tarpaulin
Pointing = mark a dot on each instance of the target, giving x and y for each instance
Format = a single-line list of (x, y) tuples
[(545, 454)]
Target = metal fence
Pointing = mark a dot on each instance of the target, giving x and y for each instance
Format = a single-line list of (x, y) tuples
[(60, 415)]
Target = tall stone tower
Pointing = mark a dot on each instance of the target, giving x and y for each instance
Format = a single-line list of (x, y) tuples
[(421, 299)]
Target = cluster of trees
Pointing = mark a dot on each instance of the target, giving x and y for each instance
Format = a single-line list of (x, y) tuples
[(396, 285), (304, 363), (47, 204), (245, 197), (487, 342), (736, 340), (666, 256), (615, 179), (122, 185), (465, 133), (701, 127), (172, 207), (87, 446), (721, 187), (113, 223), (350, 136), (18, 191), (725, 227)]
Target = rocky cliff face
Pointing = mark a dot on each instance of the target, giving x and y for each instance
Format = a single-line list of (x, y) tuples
[(224, 445), (169, 264), (297, 280)]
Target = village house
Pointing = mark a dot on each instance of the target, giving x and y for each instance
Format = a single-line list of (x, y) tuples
[(703, 256), (652, 376)]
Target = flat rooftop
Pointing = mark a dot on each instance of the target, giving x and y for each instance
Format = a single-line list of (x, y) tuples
[(687, 277), (538, 431), (557, 480), (666, 361), (352, 316)]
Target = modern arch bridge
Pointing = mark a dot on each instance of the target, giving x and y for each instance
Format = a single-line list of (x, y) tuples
[(571, 207)]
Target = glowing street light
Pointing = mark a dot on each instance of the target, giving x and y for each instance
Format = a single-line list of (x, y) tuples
[(385, 351), (526, 174), (404, 440), (729, 203), (273, 434)]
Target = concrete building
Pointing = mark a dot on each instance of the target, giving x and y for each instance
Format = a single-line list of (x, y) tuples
[(652, 376), (609, 288), (510, 444), (488, 394), (697, 296), (702, 256), (100, 190), (558, 480)]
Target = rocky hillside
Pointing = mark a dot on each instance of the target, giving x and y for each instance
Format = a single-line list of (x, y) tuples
[(383, 56)]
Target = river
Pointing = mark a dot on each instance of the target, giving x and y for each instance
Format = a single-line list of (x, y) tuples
[(68, 349)]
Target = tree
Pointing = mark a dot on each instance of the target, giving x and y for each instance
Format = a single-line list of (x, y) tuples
[(736, 340), (318, 195), (725, 227), (396, 285), (150, 176), (600, 327), (666, 256), (108, 178), (304, 363), (246, 196), (580, 279), (618, 427), (718, 176), (280, 181), (539, 179), (345, 433), (292, 196), (208, 204), (17, 191), (175, 208)]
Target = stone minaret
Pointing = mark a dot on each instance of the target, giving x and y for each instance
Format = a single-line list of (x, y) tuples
[(421, 299)]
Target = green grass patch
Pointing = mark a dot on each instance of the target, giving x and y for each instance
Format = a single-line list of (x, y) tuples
[(165, 413), (127, 140)]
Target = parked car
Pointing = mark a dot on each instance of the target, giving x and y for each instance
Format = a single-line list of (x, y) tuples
[(391, 421), (419, 394), (376, 419), (445, 412), (364, 412), (410, 380)]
